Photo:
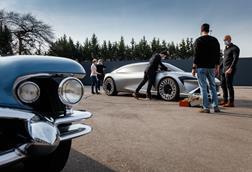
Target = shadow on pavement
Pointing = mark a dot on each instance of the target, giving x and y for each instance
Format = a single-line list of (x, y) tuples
[(243, 103), (79, 162), (236, 114)]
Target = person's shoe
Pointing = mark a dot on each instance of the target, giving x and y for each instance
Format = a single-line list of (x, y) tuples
[(136, 95), (93, 92), (223, 102), (229, 104), (98, 93), (148, 97), (204, 111), (217, 109)]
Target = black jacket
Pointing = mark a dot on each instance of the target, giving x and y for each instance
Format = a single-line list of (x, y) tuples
[(100, 69), (206, 52), (231, 56), (154, 63)]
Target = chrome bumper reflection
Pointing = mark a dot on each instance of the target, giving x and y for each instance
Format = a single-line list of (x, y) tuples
[(73, 131), (13, 155), (44, 133)]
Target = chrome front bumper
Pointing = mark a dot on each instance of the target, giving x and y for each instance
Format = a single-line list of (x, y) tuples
[(45, 133)]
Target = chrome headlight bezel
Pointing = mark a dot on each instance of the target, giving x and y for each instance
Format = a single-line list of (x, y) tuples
[(19, 92), (63, 93)]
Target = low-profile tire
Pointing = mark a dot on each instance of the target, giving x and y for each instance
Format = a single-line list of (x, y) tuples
[(54, 162), (168, 89), (109, 87)]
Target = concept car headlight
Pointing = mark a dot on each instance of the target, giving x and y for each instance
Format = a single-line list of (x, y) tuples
[(70, 91), (28, 92)]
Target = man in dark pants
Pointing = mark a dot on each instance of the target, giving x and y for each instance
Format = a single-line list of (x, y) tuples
[(100, 69), (150, 73), (229, 63)]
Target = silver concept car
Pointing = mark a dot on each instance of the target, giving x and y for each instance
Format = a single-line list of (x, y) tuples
[(169, 85)]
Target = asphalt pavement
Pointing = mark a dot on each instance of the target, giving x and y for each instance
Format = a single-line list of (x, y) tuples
[(132, 135)]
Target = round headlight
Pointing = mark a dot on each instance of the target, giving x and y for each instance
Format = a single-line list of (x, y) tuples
[(70, 91), (28, 92)]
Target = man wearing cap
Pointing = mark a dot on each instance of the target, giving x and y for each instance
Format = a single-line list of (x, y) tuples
[(229, 63), (150, 73), (206, 64)]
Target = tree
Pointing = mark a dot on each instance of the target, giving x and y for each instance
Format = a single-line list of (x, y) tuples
[(182, 53), (110, 50), (94, 47), (5, 41), (189, 47), (29, 34), (104, 51), (145, 50), (155, 45), (87, 50), (121, 49), (172, 49), (116, 51)]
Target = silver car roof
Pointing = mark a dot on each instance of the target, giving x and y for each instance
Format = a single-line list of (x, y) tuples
[(169, 66)]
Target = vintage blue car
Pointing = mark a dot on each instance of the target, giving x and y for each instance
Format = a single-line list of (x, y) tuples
[(37, 122)]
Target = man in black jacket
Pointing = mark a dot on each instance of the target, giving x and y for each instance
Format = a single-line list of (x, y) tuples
[(100, 69), (206, 64), (229, 63), (150, 73)]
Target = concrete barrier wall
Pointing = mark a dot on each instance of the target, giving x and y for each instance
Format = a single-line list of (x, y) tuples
[(243, 76)]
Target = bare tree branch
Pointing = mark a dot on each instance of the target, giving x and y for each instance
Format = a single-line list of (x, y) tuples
[(28, 32)]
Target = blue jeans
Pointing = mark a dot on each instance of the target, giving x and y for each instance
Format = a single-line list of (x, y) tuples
[(203, 75), (94, 84)]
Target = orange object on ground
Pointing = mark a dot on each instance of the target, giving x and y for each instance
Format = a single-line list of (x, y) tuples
[(184, 103)]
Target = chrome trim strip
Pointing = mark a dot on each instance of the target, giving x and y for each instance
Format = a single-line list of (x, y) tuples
[(73, 131), (15, 114), (22, 78), (74, 117), (15, 155)]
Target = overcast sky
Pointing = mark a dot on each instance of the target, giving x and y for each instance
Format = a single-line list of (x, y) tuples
[(164, 19)]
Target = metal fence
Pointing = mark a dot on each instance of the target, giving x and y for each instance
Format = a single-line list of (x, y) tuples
[(243, 76)]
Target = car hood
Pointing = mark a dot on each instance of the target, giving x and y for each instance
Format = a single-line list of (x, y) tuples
[(13, 67)]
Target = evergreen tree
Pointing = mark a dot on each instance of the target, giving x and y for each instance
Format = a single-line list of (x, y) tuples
[(104, 51), (86, 52), (110, 51), (145, 50), (121, 49), (94, 47), (115, 51), (189, 47), (155, 46), (5, 41), (133, 49), (164, 45), (172, 49), (182, 53)]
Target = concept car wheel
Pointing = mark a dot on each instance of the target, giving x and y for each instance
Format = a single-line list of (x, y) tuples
[(168, 89), (109, 87)]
